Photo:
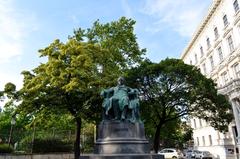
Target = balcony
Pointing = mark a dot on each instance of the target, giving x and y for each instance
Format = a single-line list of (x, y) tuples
[(217, 41), (237, 17), (227, 30), (230, 87), (203, 58)]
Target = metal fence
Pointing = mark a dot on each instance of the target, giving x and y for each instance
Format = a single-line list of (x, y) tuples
[(23, 140)]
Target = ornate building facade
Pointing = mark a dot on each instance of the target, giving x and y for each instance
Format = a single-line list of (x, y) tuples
[(215, 49)]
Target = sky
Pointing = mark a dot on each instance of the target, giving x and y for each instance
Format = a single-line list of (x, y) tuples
[(163, 27)]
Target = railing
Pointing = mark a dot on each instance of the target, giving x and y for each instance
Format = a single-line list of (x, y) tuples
[(230, 86), (24, 140)]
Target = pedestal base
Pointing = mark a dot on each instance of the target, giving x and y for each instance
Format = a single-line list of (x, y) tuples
[(121, 138), (122, 156)]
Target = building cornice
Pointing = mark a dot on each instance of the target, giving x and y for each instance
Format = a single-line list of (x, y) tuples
[(201, 27)]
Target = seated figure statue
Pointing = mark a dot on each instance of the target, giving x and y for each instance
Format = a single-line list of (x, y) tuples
[(118, 100)]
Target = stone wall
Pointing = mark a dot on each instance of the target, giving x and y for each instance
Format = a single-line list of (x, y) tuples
[(37, 156)]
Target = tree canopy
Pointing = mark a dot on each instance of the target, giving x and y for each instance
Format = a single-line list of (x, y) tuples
[(171, 90), (76, 70)]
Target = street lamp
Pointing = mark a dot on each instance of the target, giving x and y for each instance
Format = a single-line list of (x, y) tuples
[(13, 122)]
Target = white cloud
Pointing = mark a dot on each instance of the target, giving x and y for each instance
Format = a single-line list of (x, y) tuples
[(14, 27), (182, 16)]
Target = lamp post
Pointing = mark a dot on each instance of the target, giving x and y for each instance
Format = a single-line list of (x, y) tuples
[(13, 122)]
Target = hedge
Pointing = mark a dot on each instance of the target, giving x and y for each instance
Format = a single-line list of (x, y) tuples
[(51, 145), (5, 148)]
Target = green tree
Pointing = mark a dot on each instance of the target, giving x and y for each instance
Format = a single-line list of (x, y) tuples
[(171, 90), (180, 134), (76, 70), (166, 139), (5, 123), (10, 96)]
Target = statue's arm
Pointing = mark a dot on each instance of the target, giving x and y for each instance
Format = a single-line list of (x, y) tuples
[(110, 91), (106, 93)]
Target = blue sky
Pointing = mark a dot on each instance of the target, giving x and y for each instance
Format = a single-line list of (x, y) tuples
[(163, 27)]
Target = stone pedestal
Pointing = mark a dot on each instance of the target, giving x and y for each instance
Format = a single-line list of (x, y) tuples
[(122, 156), (121, 138)]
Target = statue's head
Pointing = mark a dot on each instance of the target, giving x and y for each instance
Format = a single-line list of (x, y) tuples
[(121, 81)]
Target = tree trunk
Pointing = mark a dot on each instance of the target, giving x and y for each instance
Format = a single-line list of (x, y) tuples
[(157, 139), (77, 139)]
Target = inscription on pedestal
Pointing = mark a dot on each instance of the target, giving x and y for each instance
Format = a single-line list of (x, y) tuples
[(121, 129)]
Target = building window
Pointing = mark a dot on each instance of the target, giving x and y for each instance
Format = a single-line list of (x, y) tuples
[(211, 62), (236, 6), (194, 122), (190, 62), (197, 141), (216, 32), (196, 60), (208, 43), (235, 131), (225, 20), (230, 44), (236, 70), (220, 54), (224, 77), (201, 51), (203, 140), (210, 139), (204, 68)]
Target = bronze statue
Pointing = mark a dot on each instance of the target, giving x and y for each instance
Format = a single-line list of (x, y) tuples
[(121, 103)]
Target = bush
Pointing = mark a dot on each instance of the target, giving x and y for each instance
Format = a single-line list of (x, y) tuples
[(25, 144), (5, 148), (51, 145)]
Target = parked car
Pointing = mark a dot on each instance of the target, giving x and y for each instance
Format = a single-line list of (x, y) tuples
[(190, 154), (204, 155), (170, 153)]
